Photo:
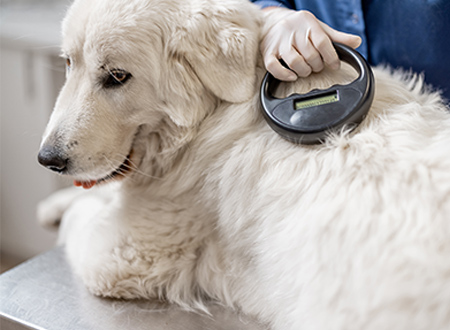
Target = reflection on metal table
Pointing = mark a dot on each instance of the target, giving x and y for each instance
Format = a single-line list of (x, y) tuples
[(43, 294)]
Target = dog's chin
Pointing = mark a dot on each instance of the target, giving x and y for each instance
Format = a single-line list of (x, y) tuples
[(119, 173)]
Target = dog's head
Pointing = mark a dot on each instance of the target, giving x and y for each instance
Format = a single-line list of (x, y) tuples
[(144, 63)]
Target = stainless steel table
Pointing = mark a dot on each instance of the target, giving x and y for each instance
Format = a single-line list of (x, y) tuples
[(43, 294)]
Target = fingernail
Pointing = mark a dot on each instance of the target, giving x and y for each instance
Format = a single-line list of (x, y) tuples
[(358, 41), (335, 66), (291, 77)]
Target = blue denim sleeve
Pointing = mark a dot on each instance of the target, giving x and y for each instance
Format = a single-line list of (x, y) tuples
[(274, 3)]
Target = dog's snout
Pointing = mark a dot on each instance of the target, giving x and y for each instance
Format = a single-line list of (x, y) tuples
[(52, 158)]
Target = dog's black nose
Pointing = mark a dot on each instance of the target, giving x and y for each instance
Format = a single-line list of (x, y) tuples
[(52, 158)]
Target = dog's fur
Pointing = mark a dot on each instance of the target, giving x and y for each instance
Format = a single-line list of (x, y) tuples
[(351, 234)]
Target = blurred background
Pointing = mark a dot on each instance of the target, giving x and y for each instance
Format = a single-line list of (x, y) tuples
[(31, 75)]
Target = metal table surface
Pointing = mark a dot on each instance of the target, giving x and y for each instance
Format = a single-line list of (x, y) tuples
[(43, 294)]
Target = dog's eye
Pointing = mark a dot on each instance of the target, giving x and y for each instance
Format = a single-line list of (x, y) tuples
[(68, 65), (116, 78)]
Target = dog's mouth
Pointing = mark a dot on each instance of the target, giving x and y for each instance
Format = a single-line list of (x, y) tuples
[(125, 168)]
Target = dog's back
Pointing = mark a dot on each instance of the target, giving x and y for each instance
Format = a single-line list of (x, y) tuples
[(352, 234)]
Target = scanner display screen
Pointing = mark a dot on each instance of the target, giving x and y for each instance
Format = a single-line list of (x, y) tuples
[(316, 101)]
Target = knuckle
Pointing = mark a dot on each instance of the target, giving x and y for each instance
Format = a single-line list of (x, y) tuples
[(301, 68), (271, 63), (312, 57), (284, 24), (322, 42), (305, 15), (293, 62)]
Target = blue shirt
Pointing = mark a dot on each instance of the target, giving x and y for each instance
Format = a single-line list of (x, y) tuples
[(413, 34)]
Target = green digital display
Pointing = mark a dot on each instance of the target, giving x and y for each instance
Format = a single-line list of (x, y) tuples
[(316, 101)]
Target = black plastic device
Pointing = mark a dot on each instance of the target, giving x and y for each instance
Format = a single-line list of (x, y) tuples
[(308, 118)]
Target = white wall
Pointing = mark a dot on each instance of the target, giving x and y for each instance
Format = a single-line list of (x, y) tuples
[(31, 75)]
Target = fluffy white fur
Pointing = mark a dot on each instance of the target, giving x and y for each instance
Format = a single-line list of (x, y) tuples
[(351, 234)]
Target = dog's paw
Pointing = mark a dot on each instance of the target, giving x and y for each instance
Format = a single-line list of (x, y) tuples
[(51, 210), (113, 281), (49, 215)]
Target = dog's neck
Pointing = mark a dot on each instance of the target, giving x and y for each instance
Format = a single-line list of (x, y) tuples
[(162, 148)]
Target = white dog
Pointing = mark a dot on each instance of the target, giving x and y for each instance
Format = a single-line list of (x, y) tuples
[(212, 204)]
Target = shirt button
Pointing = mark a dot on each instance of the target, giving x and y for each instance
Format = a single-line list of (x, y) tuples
[(355, 19)]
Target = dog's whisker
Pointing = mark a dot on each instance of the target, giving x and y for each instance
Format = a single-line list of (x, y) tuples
[(135, 168), (128, 166)]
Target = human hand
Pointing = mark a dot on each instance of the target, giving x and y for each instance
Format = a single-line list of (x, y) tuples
[(303, 42)]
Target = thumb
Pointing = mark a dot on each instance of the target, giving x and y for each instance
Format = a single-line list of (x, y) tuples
[(348, 39)]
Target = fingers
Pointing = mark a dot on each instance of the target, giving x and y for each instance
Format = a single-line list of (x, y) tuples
[(305, 44), (316, 44), (307, 49), (309, 53), (348, 39), (302, 62), (277, 70), (322, 42)]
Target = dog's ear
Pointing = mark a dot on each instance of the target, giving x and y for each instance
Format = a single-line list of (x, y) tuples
[(221, 45)]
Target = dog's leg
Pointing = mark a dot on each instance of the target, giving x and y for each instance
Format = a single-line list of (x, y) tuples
[(51, 209), (125, 248)]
